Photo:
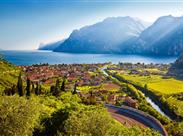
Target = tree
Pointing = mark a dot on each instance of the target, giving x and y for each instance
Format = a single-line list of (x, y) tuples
[(92, 99), (40, 89), (13, 89), (20, 85), (52, 89), (57, 87), (63, 86), (18, 115), (7, 91), (33, 88), (75, 89), (55, 90), (145, 87), (37, 89), (28, 87)]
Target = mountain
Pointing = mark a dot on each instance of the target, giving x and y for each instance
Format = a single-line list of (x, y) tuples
[(50, 46), (128, 35), (107, 36), (176, 69), (163, 37)]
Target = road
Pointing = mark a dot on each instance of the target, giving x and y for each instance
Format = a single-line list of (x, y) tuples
[(131, 116), (125, 120)]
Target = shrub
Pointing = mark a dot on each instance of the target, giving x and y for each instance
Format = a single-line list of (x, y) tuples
[(18, 115)]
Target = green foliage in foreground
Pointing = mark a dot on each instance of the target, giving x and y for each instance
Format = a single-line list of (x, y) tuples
[(63, 115), (97, 122), (18, 116)]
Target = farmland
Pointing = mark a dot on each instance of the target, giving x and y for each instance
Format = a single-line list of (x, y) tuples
[(153, 78), (157, 83)]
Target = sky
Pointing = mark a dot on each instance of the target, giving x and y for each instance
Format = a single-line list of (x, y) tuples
[(24, 24)]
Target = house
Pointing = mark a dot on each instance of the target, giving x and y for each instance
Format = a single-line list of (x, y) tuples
[(131, 102), (112, 99)]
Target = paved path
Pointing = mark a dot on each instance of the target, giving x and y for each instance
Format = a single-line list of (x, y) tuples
[(134, 116)]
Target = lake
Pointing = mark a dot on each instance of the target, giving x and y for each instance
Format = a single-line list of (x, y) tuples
[(36, 57)]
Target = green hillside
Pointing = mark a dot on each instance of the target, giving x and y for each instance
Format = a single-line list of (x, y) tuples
[(43, 113), (8, 75)]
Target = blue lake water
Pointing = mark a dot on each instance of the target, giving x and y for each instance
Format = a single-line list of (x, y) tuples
[(36, 57)]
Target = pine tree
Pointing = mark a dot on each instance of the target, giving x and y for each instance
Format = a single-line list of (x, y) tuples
[(63, 86), (20, 85), (28, 87)]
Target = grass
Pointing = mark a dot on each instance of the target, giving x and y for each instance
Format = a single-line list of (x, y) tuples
[(177, 104), (157, 83), (110, 87), (106, 86), (88, 88)]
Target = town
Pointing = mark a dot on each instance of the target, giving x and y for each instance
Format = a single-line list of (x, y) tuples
[(91, 82)]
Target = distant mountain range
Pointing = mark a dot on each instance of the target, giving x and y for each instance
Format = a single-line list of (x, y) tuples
[(127, 35), (164, 37), (50, 46)]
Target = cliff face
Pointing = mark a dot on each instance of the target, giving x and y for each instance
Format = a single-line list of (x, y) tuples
[(164, 37), (107, 36), (126, 35)]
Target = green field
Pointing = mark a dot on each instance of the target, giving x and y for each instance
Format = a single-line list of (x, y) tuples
[(157, 83), (167, 87)]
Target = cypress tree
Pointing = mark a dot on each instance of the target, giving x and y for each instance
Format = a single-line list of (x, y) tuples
[(20, 85), (57, 87), (75, 89), (40, 89), (33, 88), (37, 89), (63, 86), (28, 87), (52, 89)]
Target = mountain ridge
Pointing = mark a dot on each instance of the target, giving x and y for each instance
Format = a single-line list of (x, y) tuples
[(127, 35), (102, 37)]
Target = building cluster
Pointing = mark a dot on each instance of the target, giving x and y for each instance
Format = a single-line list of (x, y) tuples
[(110, 98), (141, 69), (82, 73)]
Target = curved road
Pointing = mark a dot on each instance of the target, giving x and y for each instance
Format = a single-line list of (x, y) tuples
[(123, 119), (140, 118)]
